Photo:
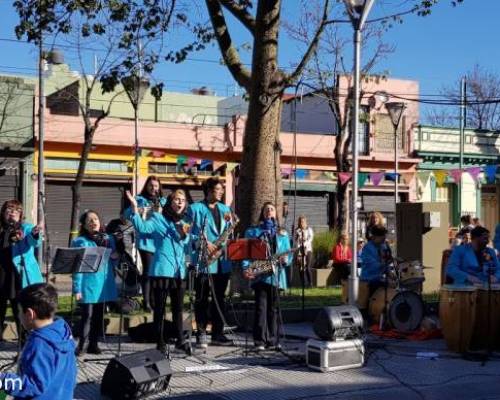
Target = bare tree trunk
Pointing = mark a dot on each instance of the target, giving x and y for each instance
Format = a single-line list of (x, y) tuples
[(260, 175), (77, 185)]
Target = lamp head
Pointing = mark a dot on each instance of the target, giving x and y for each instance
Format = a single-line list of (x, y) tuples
[(395, 110)]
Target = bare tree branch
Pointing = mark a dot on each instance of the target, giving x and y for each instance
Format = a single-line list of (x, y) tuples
[(231, 56), (241, 14), (312, 47)]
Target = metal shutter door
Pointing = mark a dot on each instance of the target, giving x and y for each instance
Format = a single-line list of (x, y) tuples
[(193, 194), (104, 198), (9, 185), (313, 206)]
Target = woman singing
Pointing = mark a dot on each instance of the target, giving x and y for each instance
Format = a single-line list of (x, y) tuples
[(265, 331), (18, 266), (93, 290), (168, 269), (149, 200)]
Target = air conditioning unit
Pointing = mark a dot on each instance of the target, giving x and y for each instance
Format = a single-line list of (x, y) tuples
[(326, 356)]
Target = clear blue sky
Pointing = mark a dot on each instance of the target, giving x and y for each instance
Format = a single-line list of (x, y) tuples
[(434, 50)]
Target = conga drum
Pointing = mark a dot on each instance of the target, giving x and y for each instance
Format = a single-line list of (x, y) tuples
[(457, 313), (486, 335), (405, 309)]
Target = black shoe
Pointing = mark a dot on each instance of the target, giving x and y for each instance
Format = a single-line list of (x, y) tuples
[(221, 340), (94, 349)]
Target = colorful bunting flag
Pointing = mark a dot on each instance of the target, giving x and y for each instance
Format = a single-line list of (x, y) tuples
[(376, 178), (230, 166), (490, 171), (181, 160), (345, 177), (191, 162), (407, 177), (423, 177), (362, 177), (329, 175), (205, 164), (157, 154), (440, 176), (456, 175), (130, 164), (286, 171), (474, 172), (391, 176), (301, 173)]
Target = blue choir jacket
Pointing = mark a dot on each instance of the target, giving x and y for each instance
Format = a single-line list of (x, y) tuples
[(282, 244), (144, 240), (170, 256), (23, 256), (463, 262), (496, 239), (95, 287), (197, 213), (372, 264)]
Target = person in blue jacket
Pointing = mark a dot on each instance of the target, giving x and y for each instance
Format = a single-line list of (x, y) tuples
[(496, 240), (474, 262), (18, 265), (266, 287), (168, 270), (211, 218), (93, 290), (47, 367), (375, 257), (150, 199)]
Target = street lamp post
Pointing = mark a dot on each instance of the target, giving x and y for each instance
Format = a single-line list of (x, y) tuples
[(358, 12), (396, 110), (135, 87)]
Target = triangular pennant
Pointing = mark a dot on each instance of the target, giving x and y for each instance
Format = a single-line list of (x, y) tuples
[(474, 172), (376, 178), (191, 162), (440, 176), (490, 171), (407, 177), (329, 175), (157, 154), (344, 177), (423, 177), (205, 164), (456, 175), (130, 164), (362, 177), (391, 176), (301, 173), (230, 166), (181, 160)]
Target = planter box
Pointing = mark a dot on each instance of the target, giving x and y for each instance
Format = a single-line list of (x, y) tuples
[(322, 277)]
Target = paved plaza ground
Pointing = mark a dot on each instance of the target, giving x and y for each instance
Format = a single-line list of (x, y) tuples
[(392, 371)]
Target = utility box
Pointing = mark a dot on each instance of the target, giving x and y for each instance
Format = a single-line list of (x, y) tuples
[(422, 234)]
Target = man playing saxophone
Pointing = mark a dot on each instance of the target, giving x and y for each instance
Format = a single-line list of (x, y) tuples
[(211, 221)]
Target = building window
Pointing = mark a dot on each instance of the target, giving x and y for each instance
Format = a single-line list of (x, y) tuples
[(444, 194), (384, 133), (92, 165), (173, 168)]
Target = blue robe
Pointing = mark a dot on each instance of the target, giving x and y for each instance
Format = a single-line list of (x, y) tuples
[(463, 262), (282, 244), (23, 256), (169, 259), (372, 264), (197, 214), (95, 287)]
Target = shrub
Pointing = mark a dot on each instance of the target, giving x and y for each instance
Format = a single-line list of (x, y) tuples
[(323, 243)]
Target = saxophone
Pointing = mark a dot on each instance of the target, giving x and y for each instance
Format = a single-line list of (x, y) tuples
[(232, 221)]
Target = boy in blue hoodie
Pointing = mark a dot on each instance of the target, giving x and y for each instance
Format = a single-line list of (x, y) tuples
[(47, 366)]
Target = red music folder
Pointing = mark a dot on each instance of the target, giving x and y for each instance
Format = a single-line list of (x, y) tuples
[(246, 249)]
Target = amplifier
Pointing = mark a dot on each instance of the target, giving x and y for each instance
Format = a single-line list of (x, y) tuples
[(334, 356)]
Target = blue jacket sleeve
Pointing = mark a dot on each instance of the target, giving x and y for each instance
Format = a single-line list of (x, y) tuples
[(496, 240), (30, 240), (142, 226), (37, 372), (453, 269)]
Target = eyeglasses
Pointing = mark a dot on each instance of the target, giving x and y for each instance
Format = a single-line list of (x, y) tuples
[(14, 209)]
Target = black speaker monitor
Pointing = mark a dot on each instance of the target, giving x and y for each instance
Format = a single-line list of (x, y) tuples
[(136, 375), (341, 322)]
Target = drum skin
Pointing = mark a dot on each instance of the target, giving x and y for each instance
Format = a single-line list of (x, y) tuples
[(457, 313), (487, 337), (405, 308)]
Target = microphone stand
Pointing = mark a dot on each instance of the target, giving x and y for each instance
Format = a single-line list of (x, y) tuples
[(303, 270)]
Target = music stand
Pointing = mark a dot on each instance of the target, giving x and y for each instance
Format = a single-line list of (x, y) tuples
[(79, 259)]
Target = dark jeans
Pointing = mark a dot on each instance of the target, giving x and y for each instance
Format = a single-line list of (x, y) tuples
[(265, 327), (14, 305), (92, 323), (173, 288), (201, 306), (147, 260), (305, 273)]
